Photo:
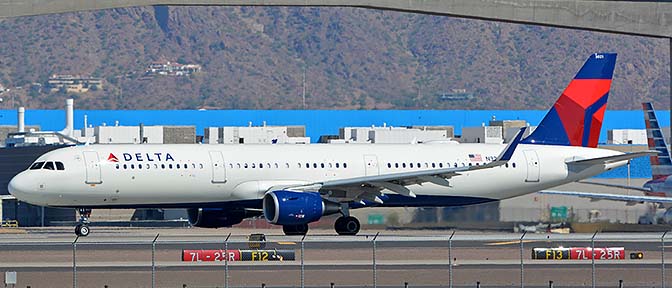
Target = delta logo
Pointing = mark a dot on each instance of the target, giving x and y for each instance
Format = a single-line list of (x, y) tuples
[(141, 157), (112, 158)]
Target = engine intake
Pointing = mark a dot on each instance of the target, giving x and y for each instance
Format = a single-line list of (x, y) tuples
[(294, 208)]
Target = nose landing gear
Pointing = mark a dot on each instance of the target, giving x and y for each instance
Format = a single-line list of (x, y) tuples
[(82, 229)]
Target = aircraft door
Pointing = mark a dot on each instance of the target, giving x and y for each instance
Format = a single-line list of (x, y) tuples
[(371, 165), (92, 167), (218, 168), (532, 166)]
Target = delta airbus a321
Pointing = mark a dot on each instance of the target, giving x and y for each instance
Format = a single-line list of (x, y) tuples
[(294, 185)]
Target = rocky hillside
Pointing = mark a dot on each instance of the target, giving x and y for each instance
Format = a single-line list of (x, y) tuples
[(256, 57)]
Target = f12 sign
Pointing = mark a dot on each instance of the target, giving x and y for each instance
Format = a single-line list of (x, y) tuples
[(237, 255)]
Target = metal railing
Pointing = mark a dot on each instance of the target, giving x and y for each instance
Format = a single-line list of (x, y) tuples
[(456, 259)]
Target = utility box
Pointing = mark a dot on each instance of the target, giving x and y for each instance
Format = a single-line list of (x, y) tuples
[(10, 278)]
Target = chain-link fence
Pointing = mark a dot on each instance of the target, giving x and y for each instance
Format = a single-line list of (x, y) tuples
[(459, 259)]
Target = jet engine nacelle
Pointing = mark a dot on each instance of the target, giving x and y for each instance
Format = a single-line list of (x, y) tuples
[(217, 217), (295, 208)]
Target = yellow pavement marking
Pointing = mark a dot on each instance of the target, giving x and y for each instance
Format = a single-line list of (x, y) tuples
[(509, 242)]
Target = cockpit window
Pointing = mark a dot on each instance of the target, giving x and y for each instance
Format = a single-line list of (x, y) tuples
[(36, 166), (49, 166), (59, 166)]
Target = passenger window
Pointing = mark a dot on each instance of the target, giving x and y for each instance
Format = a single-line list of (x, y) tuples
[(514, 165), (440, 165), (345, 165), (156, 166), (178, 166), (245, 166), (455, 165), (132, 166), (307, 165), (332, 165), (322, 165), (147, 166), (389, 165), (411, 164), (200, 165), (277, 166), (314, 165), (254, 165), (403, 165), (433, 165), (170, 166), (116, 166), (286, 164), (337, 165), (37, 166), (125, 167), (163, 166), (396, 165), (419, 166)]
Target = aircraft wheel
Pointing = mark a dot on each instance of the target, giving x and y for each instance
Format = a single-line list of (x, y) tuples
[(347, 226), (300, 229), (82, 230)]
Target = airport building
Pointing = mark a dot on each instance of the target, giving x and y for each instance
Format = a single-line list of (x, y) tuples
[(389, 134)]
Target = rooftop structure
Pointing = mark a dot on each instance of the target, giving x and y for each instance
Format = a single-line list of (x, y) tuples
[(172, 69), (74, 84)]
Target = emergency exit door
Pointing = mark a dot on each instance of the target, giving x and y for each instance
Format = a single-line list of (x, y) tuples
[(218, 168), (532, 166), (92, 167), (371, 165)]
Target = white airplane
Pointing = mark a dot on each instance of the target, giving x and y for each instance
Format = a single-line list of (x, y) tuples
[(294, 185), (658, 190)]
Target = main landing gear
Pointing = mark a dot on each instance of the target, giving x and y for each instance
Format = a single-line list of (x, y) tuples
[(300, 229), (346, 224), (82, 229)]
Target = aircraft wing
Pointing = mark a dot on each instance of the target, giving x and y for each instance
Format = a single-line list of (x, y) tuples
[(370, 187), (638, 188), (629, 199)]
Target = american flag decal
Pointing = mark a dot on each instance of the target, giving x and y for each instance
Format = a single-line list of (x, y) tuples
[(475, 158)]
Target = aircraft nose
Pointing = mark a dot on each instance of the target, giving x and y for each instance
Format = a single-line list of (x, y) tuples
[(19, 186)]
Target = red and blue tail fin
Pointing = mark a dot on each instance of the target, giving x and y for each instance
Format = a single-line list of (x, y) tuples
[(576, 117)]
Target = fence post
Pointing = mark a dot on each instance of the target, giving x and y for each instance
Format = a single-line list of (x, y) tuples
[(154, 260), (592, 259), (303, 279), (522, 267), (375, 275), (226, 261), (450, 260), (662, 259), (74, 262)]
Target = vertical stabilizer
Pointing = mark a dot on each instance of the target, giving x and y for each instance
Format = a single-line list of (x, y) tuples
[(661, 166), (576, 117)]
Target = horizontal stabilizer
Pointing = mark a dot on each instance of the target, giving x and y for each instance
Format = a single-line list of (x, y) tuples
[(612, 159)]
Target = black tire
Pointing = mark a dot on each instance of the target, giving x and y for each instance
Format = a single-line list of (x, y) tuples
[(300, 229), (347, 226), (82, 230)]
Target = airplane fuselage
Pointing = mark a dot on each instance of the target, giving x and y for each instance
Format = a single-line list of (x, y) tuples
[(195, 175)]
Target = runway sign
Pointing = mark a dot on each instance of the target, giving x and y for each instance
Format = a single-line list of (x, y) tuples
[(236, 255), (579, 253)]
